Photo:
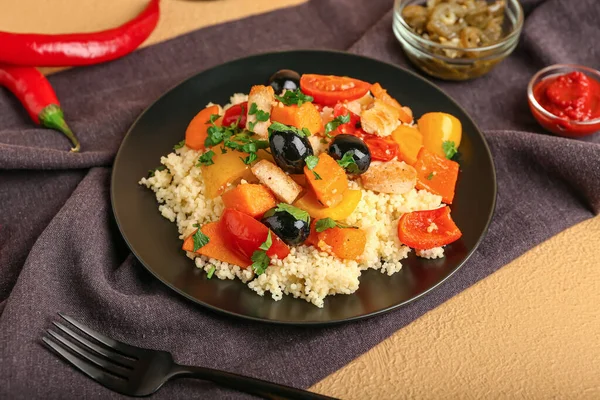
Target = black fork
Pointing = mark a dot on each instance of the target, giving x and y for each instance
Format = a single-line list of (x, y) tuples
[(136, 371)]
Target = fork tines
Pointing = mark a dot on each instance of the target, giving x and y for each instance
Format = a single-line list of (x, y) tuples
[(105, 360)]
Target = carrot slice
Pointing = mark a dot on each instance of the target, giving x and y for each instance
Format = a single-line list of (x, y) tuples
[(428, 229), (436, 174), (196, 132), (217, 246), (305, 116), (251, 199), (333, 182), (382, 94)]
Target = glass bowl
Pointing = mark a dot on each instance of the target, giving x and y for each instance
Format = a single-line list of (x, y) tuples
[(434, 58), (553, 123)]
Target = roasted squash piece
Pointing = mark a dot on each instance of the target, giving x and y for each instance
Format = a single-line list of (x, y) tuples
[(305, 116), (437, 174), (346, 243), (409, 141), (333, 183), (251, 199)]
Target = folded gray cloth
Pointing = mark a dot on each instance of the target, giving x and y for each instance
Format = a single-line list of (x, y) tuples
[(60, 250)]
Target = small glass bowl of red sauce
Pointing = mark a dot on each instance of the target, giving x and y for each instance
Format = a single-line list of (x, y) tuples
[(565, 99)]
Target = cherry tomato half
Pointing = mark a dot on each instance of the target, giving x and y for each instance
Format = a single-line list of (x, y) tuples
[(414, 229), (247, 234), (330, 89), (350, 127), (381, 149), (235, 113)]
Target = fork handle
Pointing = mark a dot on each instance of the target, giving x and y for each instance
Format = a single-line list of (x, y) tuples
[(258, 387)]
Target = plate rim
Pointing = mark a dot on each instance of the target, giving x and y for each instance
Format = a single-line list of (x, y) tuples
[(304, 323)]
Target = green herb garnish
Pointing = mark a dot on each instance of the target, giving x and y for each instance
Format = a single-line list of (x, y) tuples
[(279, 127), (327, 223), (151, 172), (210, 272), (347, 162), (200, 239), (311, 163), (295, 212), (267, 243), (179, 145), (430, 176), (261, 115), (260, 262), (450, 149), (206, 159), (260, 259), (291, 97), (213, 118), (334, 123)]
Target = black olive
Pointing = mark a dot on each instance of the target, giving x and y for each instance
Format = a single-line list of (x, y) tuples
[(349, 143), (289, 151), (284, 79), (289, 229)]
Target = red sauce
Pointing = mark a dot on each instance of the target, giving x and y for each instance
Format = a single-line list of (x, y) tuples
[(570, 97)]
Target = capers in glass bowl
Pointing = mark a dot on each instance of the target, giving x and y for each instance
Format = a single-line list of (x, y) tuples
[(457, 39)]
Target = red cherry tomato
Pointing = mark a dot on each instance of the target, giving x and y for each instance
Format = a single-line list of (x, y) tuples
[(381, 149), (414, 227), (329, 89), (247, 234), (235, 113), (350, 127)]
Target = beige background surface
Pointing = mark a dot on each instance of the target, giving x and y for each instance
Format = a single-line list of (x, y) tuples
[(531, 330)]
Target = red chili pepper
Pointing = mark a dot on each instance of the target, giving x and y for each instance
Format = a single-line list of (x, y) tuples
[(37, 96), (74, 49)]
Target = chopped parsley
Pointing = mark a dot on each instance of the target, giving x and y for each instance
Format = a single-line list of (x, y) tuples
[(267, 243), (260, 259), (206, 159), (327, 223), (200, 239), (279, 127), (213, 118), (291, 97), (311, 163), (179, 145), (295, 212), (210, 272), (449, 148), (347, 162), (151, 172), (430, 176), (334, 123), (261, 116), (234, 138)]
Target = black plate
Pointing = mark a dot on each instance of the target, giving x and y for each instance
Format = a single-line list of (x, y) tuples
[(154, 240)]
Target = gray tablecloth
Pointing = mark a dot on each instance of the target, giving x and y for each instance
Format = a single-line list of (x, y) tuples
[(60, 251)]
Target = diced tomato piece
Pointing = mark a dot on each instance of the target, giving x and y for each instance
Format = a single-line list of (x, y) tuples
[(329, 89), (350, 127), (436, 174), (381, 149), (236, 113), (247, 234), (424, 230)]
